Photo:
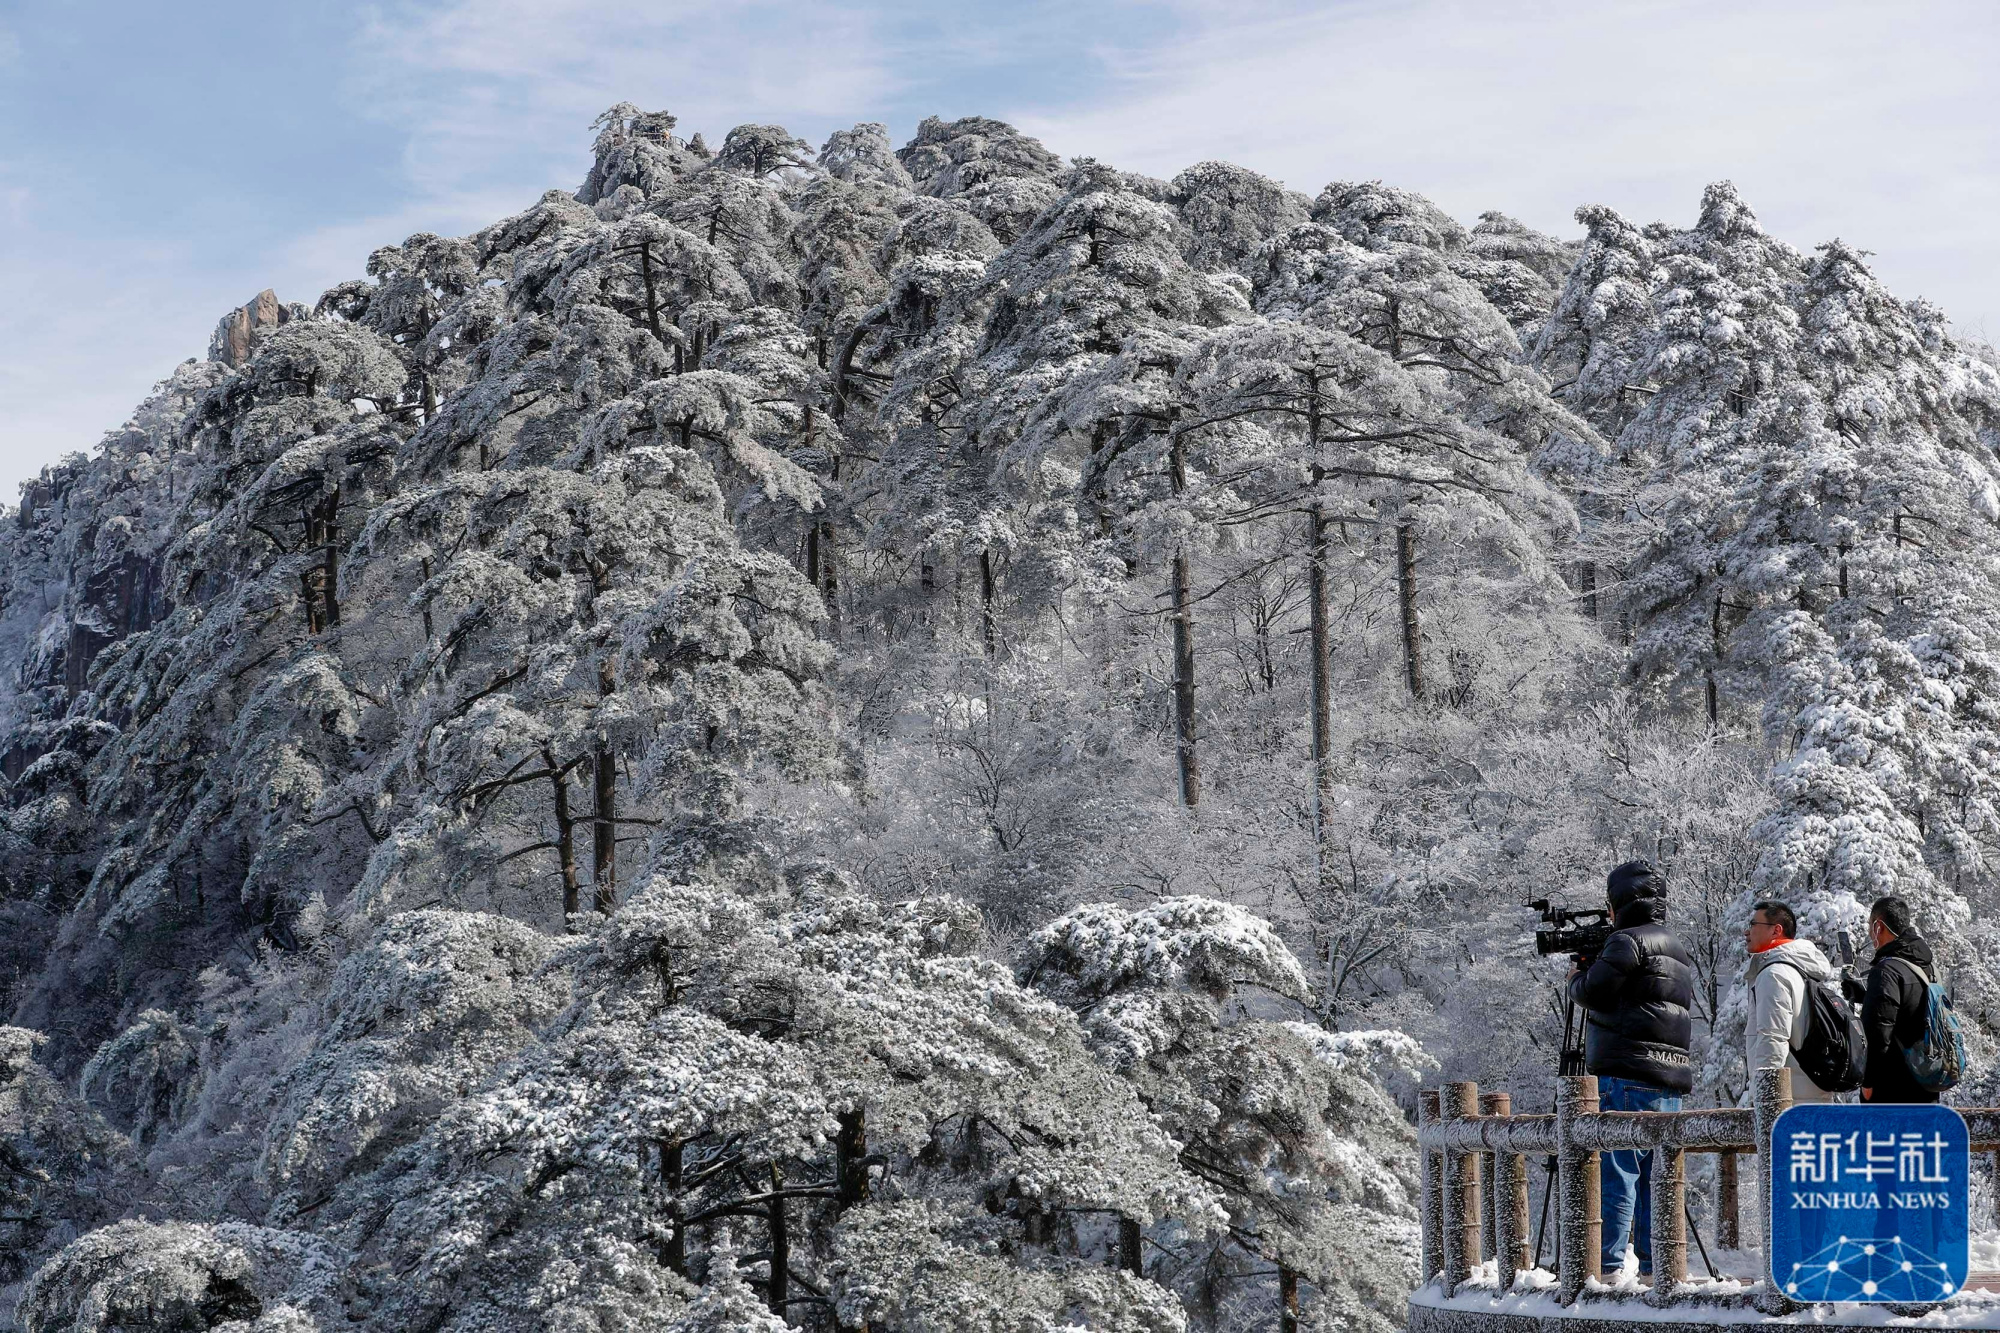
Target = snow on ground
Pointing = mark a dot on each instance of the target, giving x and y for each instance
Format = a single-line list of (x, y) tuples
[(1726, 1297)]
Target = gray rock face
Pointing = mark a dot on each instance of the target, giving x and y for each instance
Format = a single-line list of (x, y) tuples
[(239, 331)]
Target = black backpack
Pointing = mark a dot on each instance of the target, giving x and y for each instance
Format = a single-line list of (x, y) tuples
[(1835, 1051)]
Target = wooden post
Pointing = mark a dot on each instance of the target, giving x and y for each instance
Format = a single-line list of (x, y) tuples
[(1489, 1200), (1461, 1192), (1579, 1198), (1728, 1229), (1670, 1241), (1772, 1096), (1494, 1104), (1510, 1204), (1431, 1253)]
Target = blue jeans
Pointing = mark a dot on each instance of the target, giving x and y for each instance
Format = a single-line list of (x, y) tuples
[(1628, 1176)]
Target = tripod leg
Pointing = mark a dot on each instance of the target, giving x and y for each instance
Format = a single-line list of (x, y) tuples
[(1542, 1227), (1695, 1231)]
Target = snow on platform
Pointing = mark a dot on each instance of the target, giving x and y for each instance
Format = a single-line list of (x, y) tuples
[(1729, 1299)]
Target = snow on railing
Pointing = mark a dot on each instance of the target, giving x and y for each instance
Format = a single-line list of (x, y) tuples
[(1475, 1177)]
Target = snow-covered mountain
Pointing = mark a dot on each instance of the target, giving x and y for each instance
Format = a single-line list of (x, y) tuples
[(930, 738)]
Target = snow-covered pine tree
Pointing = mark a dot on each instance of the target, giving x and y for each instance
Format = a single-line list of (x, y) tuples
[(1092, 316), (1004, 176), (1377, 265), (1229, 213), (1884, 677), (809, 1088), (236, 715), (1314, 1165)]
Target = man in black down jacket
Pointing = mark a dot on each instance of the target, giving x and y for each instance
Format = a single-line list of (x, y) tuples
[(1637, 995), (1895, 1003)]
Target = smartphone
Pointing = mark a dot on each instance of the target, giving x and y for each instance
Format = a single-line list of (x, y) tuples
[(1846, 948)]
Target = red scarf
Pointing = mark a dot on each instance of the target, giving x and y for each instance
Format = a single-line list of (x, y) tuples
[(1766, 948)]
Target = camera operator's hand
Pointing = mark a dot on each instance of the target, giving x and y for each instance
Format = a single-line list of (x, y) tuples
[(1855, 988)]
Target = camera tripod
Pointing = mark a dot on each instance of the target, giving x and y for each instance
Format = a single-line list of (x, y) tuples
[(1569, 1064)]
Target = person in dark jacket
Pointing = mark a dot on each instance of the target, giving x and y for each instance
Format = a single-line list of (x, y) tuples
[(1637, 995), (1895, 1003)]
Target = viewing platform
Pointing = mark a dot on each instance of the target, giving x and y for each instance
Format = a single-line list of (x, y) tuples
[(1479, 1273)]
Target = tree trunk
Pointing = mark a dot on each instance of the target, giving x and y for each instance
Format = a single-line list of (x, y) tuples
[(330, 536), (1131, 1246), (829, 562), (851, 1155), (1184, 722), (1322, 680), (311, 595), (565, 837), (989, 628), (1322, 637), (1288, 1300), (674, 1251), (1406, 591), (604, 831), (829, 579), (652, 295), (1183, 611), (1586, 581), (1715, 645), (778, 1295), (316, 581), (428, 633)]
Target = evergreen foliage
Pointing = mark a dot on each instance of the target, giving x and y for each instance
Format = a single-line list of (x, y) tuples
[(933, 738)]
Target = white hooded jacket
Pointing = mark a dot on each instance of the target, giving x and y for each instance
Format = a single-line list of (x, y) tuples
[(1779, 1014)]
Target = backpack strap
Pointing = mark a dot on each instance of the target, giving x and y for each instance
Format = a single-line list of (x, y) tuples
[(1786, 962), (1923, 975), (1805, 995)]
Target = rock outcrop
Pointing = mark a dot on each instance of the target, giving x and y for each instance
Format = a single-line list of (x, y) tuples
[(239, 332)]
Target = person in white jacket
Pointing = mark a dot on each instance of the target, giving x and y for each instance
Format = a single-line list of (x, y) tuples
[(1780, 967)]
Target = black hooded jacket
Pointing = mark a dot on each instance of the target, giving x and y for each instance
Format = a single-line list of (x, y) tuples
[(1638, 994), (1893, 1011)]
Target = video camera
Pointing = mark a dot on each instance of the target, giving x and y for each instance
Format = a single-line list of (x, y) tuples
[(1581, 932)]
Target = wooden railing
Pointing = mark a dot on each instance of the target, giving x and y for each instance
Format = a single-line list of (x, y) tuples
[(1475, 1177)]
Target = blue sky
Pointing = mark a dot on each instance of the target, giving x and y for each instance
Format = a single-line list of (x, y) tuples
[(160, 163)]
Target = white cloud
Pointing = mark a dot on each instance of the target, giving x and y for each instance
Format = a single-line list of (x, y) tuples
[(322, 256), (87, 342), (494, 100), (505, 89), (1835, 117)]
